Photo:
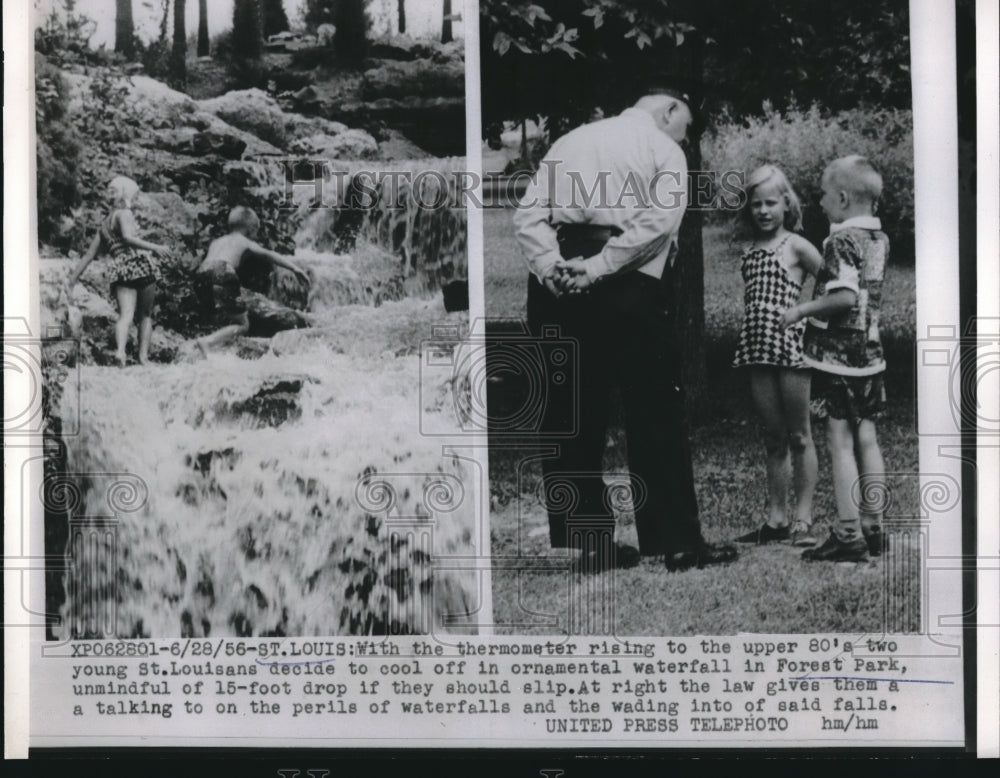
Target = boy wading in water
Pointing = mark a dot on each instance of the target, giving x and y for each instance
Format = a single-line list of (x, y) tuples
[(217, 282)]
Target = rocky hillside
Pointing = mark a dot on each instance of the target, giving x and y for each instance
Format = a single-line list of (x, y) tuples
[(196, 159)]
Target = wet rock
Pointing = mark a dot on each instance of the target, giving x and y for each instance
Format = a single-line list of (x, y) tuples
[(196, 173), (252, 348), (268, 317), (245, 174), (255, 111), (395, 145), (204, 460), (165, 345), (252, 110), (274, 403), (165, 216), (350, 144), (195, 143)]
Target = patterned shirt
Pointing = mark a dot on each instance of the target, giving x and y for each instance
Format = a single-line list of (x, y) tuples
[(619, 172), (854, 258)]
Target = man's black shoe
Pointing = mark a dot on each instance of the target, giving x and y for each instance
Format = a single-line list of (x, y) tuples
[(765, 534), (620, 557), (703, 555), (837, 550)]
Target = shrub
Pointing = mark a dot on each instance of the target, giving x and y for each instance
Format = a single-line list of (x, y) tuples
[(802, 142), (58, 152)]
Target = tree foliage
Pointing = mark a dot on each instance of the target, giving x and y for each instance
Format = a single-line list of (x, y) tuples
[(563, 59), (58, 146)]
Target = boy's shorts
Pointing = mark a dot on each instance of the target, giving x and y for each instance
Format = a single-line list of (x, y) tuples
[(219, 291), (853, 398)]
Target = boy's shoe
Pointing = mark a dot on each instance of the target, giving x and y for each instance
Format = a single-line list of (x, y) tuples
[(802, 535), (878, 542), (765, 534), (836, 550), (702, 555)]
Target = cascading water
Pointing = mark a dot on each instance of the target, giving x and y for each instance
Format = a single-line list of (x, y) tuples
[(294, 494)]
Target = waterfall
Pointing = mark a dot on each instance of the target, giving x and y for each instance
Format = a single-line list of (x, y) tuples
[(293, 494)]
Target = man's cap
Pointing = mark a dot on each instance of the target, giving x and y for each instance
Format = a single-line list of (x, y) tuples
[(689, 93)]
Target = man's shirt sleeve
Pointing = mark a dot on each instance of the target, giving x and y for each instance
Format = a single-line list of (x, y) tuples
[(533, 226), (649, 232)]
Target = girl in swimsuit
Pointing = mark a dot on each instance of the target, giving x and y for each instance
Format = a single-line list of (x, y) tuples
[(132, 269), (774, 268)]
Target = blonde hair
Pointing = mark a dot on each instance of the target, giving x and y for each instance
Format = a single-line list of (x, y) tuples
[(123, 191), (243, 219), (769, 174), (857, 176)]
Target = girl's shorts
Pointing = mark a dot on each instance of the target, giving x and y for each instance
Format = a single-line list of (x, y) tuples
[(854, 398), (139, 284)]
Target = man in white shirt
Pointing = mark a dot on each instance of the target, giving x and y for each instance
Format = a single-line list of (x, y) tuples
[(598, 227)]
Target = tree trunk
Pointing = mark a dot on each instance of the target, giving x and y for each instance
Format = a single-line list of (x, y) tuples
[(351, 39), (247, 35), (401, 13), (446, 22), (204, 48), (275, 20), (124, 29), (165, 21), (689, 266), (178, 52)]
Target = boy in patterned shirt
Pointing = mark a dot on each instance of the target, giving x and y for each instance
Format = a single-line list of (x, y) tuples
[(842, 345)]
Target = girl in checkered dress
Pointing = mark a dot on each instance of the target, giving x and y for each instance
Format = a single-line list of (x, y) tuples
[(774, 268), (132, 271)]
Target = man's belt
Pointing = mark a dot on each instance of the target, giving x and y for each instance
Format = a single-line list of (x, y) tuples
[(593, 232), (583, 240)]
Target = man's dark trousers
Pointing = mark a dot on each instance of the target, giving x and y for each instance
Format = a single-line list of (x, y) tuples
[(623, 337)]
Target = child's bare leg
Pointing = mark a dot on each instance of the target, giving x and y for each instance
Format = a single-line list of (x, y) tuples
[(795, 386), (872, 472), (224, 335), (146, 298), (840, 440), (766, 392), (126, 312)]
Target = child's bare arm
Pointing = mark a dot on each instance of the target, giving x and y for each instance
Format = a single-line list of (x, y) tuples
[(85, 260), (277, 259), (806, 255), (835, 302), (126, 224)]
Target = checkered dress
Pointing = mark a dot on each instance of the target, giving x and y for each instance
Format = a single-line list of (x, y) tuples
[(770, 291), (127, 262)]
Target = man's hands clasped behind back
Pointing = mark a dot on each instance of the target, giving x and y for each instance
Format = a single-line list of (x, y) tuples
[(568, 276)]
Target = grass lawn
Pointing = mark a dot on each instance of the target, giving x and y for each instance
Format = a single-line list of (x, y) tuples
[(768, 589)]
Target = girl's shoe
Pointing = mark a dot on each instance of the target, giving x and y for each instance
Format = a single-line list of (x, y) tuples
[(802, 535), (766, 534)]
